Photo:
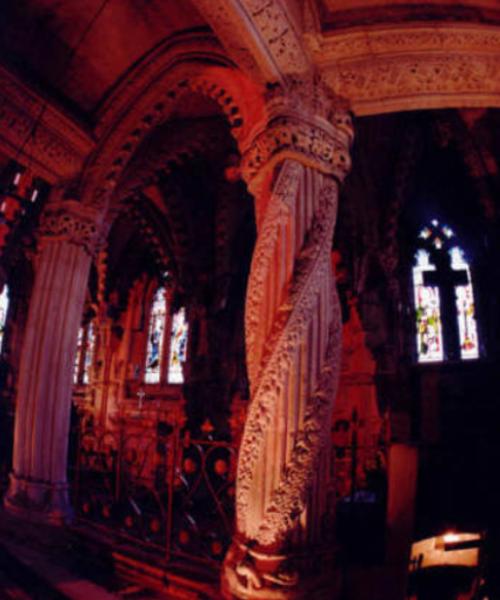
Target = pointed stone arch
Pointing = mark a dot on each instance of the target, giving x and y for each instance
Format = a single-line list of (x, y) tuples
[(149, 101)]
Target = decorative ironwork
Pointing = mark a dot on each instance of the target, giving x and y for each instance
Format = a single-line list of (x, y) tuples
[(163, 490)]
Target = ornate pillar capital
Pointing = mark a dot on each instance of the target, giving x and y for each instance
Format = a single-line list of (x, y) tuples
[(72, 222), (303, 121)]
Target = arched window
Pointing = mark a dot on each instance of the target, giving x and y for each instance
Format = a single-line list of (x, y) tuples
[(84, 354), (4, 307), (156, 337), (165, 354), (444, 298), (178, 347)]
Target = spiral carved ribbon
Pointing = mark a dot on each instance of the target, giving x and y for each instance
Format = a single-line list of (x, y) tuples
[(293, 353)]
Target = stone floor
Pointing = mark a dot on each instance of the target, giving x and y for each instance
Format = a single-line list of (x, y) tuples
[(40, 562)]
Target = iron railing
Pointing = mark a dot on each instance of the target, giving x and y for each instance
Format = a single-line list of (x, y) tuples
[(162, 490), (172, 494)]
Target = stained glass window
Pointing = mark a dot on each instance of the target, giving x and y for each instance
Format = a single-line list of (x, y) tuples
[(442, 282), (78, 357), (84, 354), (88, 358), (178, 347), (428, 312), (156, 336), (467, 326), (4, 307), (167, 342)]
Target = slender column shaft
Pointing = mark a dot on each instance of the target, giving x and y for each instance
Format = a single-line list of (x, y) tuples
[(38, 483)]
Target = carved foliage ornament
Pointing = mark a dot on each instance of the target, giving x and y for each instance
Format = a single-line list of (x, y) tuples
[(303, 141), (72, 223), (289, 497), (303, 121)]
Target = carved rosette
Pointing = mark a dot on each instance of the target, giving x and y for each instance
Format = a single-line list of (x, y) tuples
[(294, 167), (71, 222)]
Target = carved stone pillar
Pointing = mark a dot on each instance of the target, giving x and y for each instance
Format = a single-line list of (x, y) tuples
[(297, 157), (38, 483)]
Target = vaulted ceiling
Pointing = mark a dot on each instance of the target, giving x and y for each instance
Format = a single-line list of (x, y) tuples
[(39, 37)]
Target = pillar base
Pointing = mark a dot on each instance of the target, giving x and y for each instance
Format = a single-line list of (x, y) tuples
[(38, 501), (248, 574)]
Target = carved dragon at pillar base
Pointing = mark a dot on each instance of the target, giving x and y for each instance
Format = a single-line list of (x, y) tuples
[(254, 573)]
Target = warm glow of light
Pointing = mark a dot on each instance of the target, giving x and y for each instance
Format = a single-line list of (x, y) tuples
[(449, 550), (450, 538)]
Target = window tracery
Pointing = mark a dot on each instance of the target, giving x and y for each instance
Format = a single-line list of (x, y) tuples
[(444, 298)]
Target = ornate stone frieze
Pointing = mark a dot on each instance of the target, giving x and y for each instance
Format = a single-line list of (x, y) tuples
[(32, 128), (71, 222), (382, 70), (443, 38)]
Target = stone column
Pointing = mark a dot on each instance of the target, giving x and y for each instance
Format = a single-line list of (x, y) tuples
[(38, 484), (293, 165)]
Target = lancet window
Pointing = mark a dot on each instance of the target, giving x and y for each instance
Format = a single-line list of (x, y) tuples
[(4, 308), (178, 347), (84, 354), (444, 298), (166, 343)]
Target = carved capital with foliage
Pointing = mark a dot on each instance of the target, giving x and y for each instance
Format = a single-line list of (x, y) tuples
[(304, 121), (72, 222)]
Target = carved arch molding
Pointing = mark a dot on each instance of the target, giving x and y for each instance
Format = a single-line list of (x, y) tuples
[(146, 100), (414, 67), (377, 69)]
